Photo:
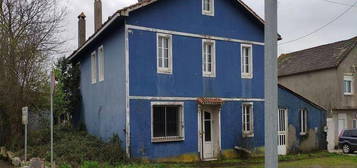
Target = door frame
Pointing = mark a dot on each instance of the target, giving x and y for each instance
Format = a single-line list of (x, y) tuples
[(286, 129), (216, 111)]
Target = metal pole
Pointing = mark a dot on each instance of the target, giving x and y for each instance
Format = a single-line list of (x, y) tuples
[(271, 84), (25, 142), (52, 130)]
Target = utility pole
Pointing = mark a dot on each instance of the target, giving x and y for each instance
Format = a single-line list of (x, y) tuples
[(271, 84), (53, 84)]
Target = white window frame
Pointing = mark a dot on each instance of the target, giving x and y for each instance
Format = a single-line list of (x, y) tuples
[(213, 63), (245, 131), (94, 67), (303, 121), (247, 75), (348, 78), (354, 123), (101, 64), (181, 137), (208, 12), (164, 70)]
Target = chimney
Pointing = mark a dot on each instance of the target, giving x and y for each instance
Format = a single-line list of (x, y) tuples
[(97, 15), (81, 29)]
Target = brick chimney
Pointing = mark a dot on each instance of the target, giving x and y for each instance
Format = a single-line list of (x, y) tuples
[(81, 29), (97, 15)]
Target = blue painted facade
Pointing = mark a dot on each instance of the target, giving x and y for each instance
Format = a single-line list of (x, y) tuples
[(104, 103), (315, 139)]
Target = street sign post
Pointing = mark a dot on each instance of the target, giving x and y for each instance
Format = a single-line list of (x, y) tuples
[(53, 85), (25, 122)]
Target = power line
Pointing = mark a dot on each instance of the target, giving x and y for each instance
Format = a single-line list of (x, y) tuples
[(322, 27), (339, 3)]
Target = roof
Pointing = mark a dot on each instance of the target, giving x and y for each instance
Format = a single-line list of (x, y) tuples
[(317, 58), (125, 12), (302, 97)]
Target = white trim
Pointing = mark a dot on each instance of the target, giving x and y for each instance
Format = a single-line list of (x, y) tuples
[(192, 35), (199, 131), (250, 63), (163, 70), (127, 103), (101, 63), (182, 123), (211, 74), (208, 13), (348, 77), (190, 98), (93, 59)]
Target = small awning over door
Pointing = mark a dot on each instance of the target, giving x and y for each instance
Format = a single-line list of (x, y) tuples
[(209, 101)]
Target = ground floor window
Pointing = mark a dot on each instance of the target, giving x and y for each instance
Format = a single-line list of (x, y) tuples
[(167, 122), (247, 119), (354, 123), (303, 121)]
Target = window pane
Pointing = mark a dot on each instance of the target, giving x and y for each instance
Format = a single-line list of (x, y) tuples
[(159, 121), (172, 120), (207, 123)]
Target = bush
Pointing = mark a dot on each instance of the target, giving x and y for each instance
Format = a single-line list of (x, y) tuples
[(90, 164), (74, 147)]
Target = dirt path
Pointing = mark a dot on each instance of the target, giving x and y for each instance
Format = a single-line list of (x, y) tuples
[(5, 164)]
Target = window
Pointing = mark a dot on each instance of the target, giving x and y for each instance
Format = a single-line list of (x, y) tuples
[(247, 119), (246, 61), (354, 123), (101, 64), (348, 85), (303, 121), (164, 53), (208, 7), (208, 58), (167, 122), (94, 67)]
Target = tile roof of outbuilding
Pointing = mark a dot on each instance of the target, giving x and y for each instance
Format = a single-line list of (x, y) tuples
[(314, 59)]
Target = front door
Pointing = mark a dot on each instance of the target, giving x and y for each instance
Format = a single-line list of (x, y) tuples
[(207, 121), (282, 131)]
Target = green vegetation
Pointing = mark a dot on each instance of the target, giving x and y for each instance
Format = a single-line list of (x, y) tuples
[(73, 148)]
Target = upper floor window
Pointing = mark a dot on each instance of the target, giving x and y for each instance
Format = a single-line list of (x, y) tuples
[(247, 119), (208, 7), (94, 67), (167, 122), (164, 53), (246, 61), (303, 122), (348, 85), (208, 58), (101, 64)]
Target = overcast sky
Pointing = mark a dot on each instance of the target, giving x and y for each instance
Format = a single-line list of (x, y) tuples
[(296, 19)]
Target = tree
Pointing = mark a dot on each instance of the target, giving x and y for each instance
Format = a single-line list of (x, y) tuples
[(67, 97), (28, 37)]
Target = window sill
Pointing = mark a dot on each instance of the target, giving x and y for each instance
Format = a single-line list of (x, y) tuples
[(348, 94), (166, 139), (303, 133), (247, 76), (209, 75), (164, 72), (208, 13), (248, 135)]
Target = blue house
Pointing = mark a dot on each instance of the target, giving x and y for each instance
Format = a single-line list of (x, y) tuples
[(302, 123), (175, 79)]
